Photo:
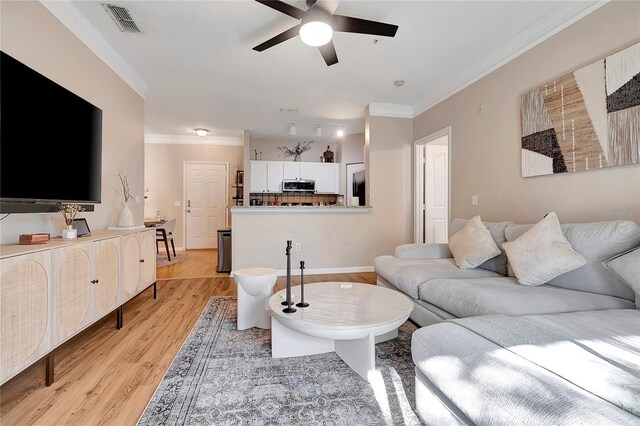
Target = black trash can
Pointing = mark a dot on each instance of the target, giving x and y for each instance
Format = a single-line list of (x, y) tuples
[(224, 250)]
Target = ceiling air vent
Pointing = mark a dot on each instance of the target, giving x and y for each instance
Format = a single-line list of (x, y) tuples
[(122, 18)]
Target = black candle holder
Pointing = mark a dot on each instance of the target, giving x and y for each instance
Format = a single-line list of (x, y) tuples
[(302, 304), (289, 309)]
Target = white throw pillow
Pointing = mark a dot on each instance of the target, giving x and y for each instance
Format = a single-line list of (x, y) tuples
[(542, 253), (627, 267), (473, 244)]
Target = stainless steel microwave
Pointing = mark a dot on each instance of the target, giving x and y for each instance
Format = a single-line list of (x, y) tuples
[(299, 185)]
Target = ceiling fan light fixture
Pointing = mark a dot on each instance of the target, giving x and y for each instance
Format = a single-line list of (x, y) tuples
[(316, 33)]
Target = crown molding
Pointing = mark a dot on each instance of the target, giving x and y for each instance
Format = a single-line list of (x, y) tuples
[(194, 140), (379, 109), (80, 26), (547, 26)]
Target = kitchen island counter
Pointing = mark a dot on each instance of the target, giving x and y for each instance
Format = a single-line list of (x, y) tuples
[(298, 209)]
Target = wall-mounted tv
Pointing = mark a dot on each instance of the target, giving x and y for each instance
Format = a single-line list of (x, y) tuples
[(50, 141)]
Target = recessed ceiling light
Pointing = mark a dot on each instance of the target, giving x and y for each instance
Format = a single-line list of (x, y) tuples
[(398, 83), (340, 133), (201, 132)]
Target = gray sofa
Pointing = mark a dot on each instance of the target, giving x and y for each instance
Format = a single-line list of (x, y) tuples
[(440, 290), (497, 352)]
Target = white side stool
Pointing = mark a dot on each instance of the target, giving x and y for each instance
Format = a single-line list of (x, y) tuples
[(255, 286)]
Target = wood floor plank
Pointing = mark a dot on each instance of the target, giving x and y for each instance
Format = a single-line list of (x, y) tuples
[(107, 376)]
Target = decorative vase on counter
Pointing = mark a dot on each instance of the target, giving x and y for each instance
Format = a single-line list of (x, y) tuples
[(69, 233), (126, 217)]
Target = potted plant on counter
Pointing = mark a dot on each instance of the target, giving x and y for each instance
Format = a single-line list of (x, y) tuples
[(296, 151)]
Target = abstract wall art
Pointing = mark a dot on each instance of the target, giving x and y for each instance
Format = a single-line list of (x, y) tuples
[(585, 120)]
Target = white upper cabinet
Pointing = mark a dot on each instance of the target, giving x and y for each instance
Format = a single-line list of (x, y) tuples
[(267, 176)]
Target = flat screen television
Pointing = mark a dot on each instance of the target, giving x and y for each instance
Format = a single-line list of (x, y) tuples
[(50, 140)]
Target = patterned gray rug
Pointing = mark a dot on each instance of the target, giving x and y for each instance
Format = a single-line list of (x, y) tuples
[(222, 376)]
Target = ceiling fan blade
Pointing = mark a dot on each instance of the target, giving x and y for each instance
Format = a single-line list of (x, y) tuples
[(328, 52), (284, 36), (285, 8), (348, 24), (328, 6)]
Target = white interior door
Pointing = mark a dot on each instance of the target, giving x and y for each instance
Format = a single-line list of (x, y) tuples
[(206, 186), (436, 194)]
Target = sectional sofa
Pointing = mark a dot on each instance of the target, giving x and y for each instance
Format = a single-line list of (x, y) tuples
[(497, 352)]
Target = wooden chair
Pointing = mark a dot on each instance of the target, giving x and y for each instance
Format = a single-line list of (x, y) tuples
[(164, 233)]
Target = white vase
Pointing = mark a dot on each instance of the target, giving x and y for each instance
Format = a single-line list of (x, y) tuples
[(69, 233), (126, 217)]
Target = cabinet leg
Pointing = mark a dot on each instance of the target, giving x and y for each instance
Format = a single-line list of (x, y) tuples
[(49, 370), (155, 290), (119, 318)]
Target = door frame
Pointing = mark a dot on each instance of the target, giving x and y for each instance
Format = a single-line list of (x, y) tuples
[(418, 183), (184, 193)]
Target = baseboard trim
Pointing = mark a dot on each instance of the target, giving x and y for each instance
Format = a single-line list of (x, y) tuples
[(323, 271), (162, 249)]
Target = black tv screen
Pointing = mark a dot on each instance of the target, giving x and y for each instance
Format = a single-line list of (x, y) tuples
[(50, 139)]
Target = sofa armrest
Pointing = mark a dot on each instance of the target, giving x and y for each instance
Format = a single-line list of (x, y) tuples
[(423, 251)]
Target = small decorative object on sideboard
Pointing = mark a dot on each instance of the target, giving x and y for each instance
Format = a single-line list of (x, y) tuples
[(328, 155), (69, 212), (296, 151), (29, 239)]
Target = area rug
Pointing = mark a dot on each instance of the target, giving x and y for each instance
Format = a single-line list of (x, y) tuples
[(222, 376), (161, 259)]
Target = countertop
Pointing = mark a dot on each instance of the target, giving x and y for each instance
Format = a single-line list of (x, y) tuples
[(299, 209)]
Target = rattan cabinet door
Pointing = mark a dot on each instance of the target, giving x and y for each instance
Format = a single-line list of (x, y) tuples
[(130, 259), (148, 256), (105, 289), (72, 276), (25, 283)]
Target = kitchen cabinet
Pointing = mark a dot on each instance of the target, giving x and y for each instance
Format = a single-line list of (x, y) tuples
[(25, 326), (266, 176), (327, 178)]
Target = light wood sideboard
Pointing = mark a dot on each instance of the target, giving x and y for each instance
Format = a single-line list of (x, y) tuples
[(51, 292)]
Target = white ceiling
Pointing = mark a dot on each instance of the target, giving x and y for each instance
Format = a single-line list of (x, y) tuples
[(196, 59)]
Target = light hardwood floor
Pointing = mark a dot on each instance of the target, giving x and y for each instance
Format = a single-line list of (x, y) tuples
[(199, 263), (107, 376)]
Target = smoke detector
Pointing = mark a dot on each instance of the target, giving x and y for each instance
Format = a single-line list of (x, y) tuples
[(122, 18)]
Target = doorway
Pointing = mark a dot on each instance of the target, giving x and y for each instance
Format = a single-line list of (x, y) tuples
[(432, 187), (206, 185)]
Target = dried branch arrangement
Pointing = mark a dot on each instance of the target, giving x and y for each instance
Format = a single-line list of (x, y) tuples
[(297, 150), (69, 211)]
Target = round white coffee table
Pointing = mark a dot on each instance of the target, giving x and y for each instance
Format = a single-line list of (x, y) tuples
[(348, 318), (254, 288)]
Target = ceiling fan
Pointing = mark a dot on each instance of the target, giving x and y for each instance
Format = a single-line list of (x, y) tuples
[(318, 23)]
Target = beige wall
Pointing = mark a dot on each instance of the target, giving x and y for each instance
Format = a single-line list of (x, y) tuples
[(164, 168), (486, 148), (349, 150), (340, 240), (35, 37)]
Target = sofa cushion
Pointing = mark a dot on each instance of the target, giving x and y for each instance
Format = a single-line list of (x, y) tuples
[(597, 242), (503, 295), (409, 274), (542, 253), (496, 229), (627, 267), (473, 245)]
